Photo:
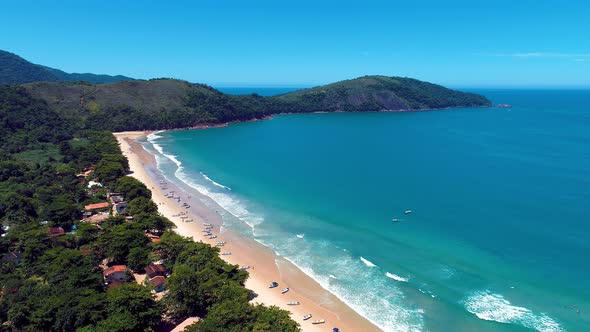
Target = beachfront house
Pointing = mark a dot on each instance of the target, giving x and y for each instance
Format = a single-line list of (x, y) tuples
[(97, 207), (121, 207), (54, 232), (154, 270), (158, 283), (115, 274)]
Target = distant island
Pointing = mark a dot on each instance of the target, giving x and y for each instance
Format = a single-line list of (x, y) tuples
[(118, 103)]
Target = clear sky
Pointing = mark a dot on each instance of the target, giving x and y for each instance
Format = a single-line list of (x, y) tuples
[(491, 43)]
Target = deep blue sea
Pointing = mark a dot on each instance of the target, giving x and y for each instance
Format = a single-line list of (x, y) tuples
[(499, 234)]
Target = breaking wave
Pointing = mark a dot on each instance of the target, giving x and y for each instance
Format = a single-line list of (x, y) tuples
[(396, 277), (214, 183), (367, 262), (494, 307)]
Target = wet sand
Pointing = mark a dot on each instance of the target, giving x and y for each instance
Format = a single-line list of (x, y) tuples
[(264, 265)]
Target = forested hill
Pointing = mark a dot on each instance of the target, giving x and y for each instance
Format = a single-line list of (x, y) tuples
[(168, 103), (16, 70), (55, 261)]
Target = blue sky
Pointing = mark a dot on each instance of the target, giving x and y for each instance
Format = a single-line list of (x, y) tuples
[(518, 43)]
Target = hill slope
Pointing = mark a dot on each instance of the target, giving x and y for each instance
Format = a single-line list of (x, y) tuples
[(377, 93), (16, 70), (166, 103)]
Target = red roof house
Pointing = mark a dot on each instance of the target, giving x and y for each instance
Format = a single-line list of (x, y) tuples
[(154, 270), (158, 283), (96, 206), (55, 231), (115, 273)]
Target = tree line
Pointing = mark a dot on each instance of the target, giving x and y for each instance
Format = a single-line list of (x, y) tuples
[(50, 283)]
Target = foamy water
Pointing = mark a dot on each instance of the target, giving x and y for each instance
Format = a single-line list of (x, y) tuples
[(343, 281), (328, 207), (494, 307), (396, 277)]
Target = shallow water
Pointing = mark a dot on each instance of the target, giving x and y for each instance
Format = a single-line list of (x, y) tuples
[(498, 237)]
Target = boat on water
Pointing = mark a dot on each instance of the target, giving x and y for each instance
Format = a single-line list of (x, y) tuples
[(319, 321), (284, 290), (408, 211), (273, 284), (293, 303), (396, 220), (306, 317)]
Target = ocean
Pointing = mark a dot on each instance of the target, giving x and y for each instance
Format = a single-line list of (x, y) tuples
[(498, 236)]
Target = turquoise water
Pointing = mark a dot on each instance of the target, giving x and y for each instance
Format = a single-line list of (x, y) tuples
[(499, 235)]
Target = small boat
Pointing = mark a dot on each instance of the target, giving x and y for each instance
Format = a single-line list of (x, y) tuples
[(335, 329), (396, 220), (244, 268), (212, 237), (284, 290), (273, 284), (293, 303), (206, 224), (226, 253), (319, 321), (306, 317), (408, 211)]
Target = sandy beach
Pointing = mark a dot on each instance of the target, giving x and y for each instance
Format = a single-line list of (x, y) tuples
[(264, 265)]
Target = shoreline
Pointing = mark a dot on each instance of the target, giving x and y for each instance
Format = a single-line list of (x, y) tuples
[(265, 265), (272, 116)]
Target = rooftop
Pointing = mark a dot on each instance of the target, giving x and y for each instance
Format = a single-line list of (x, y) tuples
[(114, 269), (96, 206)]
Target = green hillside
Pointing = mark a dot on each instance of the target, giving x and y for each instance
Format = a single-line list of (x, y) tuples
[(168, 103), (16, 70)]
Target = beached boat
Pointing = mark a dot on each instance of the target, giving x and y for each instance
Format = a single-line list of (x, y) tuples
[(284, 290), (293, 303), (306, 317), (319, 321), (212, 237), (273, 284), (226, 253)]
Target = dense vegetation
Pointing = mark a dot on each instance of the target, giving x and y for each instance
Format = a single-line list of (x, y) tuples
[(125, 104), (166, 103), (55, 283), (16, 70)]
